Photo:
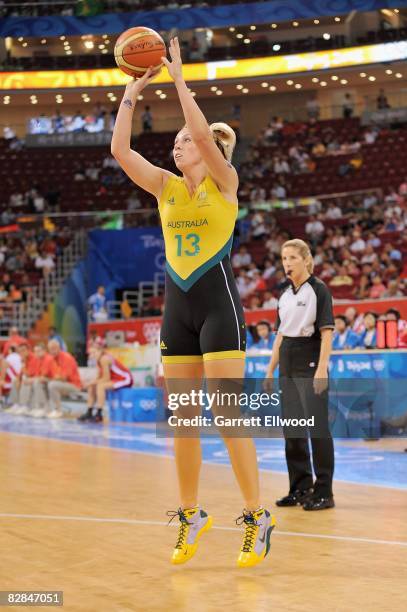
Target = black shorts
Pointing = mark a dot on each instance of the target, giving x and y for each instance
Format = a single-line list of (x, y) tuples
[(206, 322)]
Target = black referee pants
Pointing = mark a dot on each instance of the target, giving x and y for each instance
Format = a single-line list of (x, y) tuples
[(298, 363)]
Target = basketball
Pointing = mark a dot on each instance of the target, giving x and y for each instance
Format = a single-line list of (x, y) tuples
[(137, 49)]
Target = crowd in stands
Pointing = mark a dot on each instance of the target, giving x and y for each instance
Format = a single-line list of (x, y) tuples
[(359, 241), (353, 331), (26, 256), (360, 248), (97, 120), (282, 150)]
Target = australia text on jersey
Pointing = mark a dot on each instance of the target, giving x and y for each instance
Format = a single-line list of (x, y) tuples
[(187, 223)]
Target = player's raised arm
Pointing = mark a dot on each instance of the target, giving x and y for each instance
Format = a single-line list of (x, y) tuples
[(142, 172), (221, 170)]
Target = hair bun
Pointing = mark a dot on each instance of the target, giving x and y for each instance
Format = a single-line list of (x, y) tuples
[(223, 133)]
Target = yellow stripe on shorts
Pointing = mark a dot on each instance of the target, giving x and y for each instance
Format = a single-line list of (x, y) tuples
[(224, 355), (181, 358)]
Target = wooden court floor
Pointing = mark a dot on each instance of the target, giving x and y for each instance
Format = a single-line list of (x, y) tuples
[(91, 522)]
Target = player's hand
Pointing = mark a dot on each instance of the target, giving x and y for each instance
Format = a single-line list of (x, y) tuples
[(320, 382), (136, 86), (175, 66)]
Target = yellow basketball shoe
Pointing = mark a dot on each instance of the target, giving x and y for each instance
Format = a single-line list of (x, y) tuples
[(256, 540), (193, 523)]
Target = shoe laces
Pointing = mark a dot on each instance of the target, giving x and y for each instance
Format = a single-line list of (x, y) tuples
[(183, 527), (251, 525)]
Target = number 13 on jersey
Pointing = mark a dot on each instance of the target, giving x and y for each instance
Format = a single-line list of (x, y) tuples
[(191, 241)]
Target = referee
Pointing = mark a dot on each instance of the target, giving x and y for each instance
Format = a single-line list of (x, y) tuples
[(302, 349)]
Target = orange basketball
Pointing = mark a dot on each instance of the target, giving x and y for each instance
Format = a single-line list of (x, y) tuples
[(137, 49)]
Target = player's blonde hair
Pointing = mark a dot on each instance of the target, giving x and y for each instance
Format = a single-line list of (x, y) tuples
[(303, 249), (224, 137)]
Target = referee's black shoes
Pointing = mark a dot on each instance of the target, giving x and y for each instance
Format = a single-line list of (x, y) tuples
[(296, 498), (319, 503)]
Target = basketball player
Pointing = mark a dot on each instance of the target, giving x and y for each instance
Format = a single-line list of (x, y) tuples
[(203, 330), (111, 375), (10, 370)]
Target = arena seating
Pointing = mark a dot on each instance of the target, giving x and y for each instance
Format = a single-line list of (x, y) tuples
[(382, 167), (56, 167), (382, 162)]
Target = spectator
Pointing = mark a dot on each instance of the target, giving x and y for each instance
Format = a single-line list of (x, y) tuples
[(394, 254), (263, 337), (92, 172), (3, 293), (381, 101), (333, 212), (66, 380), (16, 200), (281, 166), (46, 370), (347, 106), (39, 203), (260, 283), (59, 123), (98, 305), (393, 290), (14, 339), (125, 309), (242, 258), (9, 372), (319, 149), (343, 337), (254, 303), (147, 120), (259, 230), (15, 262), (6, 281), (358, 245), (22, 390), (369, 255), (378, 288), (342, 278), (53, 335), (45, 262), (279, 192), (403, 188), (367, 338), (245, 285), (314, 229), (363, 288), (15, 295), (8, 133), (133, 201), (79, 175), (392, 314), (313, 108), (78, 122), (269, 301), (269, 269)]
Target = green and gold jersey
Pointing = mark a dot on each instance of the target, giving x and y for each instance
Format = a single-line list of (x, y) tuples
[(198, 230)]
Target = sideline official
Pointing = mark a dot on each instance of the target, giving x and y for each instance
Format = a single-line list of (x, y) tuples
[(302, 349)]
